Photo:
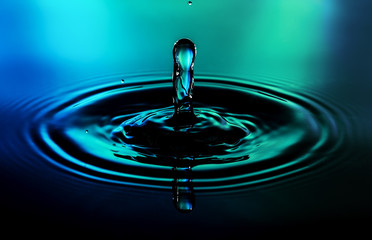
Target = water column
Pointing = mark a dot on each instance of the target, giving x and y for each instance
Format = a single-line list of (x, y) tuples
[(184, 52)]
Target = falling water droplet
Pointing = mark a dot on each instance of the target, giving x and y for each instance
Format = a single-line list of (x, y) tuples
[(190, 3), (86, 131), (122, 81)]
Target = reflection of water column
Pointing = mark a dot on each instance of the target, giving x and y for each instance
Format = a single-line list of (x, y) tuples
[(183, 79), (183, 192)]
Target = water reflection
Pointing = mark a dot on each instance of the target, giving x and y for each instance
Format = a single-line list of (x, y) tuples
[(182, 187)]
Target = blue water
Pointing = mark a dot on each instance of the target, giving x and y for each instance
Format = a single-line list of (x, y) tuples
[(270, 137), (121, 134), (291, 79)]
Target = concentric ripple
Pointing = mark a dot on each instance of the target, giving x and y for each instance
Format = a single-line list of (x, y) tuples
[(287, 134)]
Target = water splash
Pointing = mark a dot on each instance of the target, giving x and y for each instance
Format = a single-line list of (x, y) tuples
[(295, 134), (183, 134), (137, 138)]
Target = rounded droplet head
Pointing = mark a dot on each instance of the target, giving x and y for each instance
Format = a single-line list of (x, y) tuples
[(184, 52)]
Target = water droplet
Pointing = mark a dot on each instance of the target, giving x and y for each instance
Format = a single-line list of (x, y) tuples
[(190, 3), (86, 131), (122, 81)]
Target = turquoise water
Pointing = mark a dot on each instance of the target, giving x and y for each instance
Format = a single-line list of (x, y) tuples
[(121, 134), (289, 79)]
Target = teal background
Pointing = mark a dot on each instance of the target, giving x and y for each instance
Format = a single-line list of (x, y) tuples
[(287, 39), (311, 45)]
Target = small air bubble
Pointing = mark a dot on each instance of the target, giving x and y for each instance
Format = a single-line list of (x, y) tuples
[(190, 3)]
